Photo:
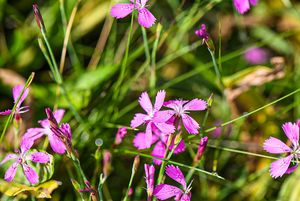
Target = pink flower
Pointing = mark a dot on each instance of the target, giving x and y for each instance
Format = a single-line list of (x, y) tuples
[(201, 148), (275, 146), (149, 172), (56, 143), (19, 110), (21, 159), (154, 119), (120, 135), (106, 163), (242, 6), (256, 55), (202, 33), (181, 108), (160, 140), (145, 17), (165, 191)]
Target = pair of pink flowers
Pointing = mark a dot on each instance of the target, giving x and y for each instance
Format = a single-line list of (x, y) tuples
[(166, 191), (145, 17), (275, 146), (160, 124)]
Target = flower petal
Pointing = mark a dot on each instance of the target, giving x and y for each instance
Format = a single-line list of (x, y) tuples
[(165, 191), (5, 112), (186, 197), (190, 124), (159, 100), (145, 18), (165, 128), (39, 157), (56, 144), (149, 172), (30, 174), (11, 172), (139, 140), (121, 10), (241, 6), (31, 135), (275, 146), (291, 169), (158, 152), (17, 92), (253, 2), (137, 120), (195, 104), (145, 102), (279, 167), (8, 157), (163, 116), (148, 136), (291, 130), (176, 174)]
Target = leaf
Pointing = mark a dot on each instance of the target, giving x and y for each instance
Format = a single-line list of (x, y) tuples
[(41, 191)]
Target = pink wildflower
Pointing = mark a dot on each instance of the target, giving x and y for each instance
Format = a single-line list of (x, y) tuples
[(106, 163), (145, 17), (181, 108), (149, 172), (154, 119), (202, 33), (165, 191), (242, 6), (201, 148), (33, 134), (120, 135), (275, 146), (21, 159), (19, 110)]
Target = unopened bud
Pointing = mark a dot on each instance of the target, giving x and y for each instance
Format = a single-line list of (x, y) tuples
[(178, 139), (201, 148), (106, 163), (210, 100), (38, 17), (136, 163)]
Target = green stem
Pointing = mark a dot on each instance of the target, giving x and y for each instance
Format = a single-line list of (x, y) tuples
[(153, 59), (28, 82), (217, 70), (133, 171)]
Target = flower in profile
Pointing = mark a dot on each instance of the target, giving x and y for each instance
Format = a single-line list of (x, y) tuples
[(120, 135), (202, 33), (256, 55), (145, 17), (242, 6), (181, 109), (33, 134), (201, 148), (275, 146), (165, 191), (21, 159), (16, 94), (154, 119), (149, 172)]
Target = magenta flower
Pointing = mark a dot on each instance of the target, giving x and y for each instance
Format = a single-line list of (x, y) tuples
[(180, 111), (202, 33), (154, 118), (21, 159), (120, 135), (149, 172), (242, 6), (275, 146), (145, 17), (165, 191), (256, 55), (201, 148), (19, 110), (33, 134), (160, 140)]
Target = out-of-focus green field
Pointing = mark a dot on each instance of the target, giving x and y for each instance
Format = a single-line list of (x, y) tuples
[(183, 67)]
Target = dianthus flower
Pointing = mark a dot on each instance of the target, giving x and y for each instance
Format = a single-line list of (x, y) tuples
[(145, 17)]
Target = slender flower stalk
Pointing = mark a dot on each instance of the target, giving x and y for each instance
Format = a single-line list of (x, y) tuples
[(135, 166)]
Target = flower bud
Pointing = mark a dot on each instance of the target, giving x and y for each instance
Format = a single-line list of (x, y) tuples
[(38, 17), (201, 148)]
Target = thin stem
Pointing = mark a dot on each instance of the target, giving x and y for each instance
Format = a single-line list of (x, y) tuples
[(153, 58), (9, 119), (133, 171), (217, 70)]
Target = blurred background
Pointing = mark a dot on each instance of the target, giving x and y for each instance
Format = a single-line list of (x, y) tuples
[(258, 54)]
